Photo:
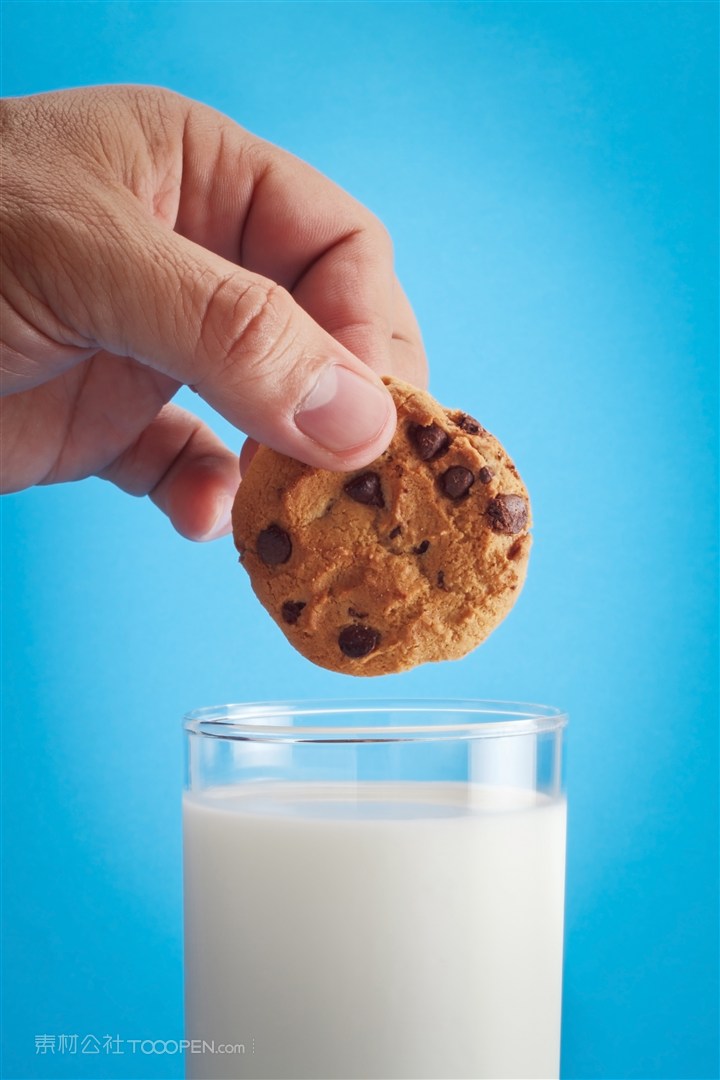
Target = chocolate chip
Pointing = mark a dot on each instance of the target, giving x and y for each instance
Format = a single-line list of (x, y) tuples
[(366, 489), (356, 641), (421, 548), (357, 614), (274, 545), (485, 475), (430, 442), (441, 580), (291, 610), (456, 481), (468, 424), (507, 513), (516, 550), (395, 532)]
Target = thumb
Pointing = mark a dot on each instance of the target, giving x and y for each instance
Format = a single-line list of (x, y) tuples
[(237, 338)]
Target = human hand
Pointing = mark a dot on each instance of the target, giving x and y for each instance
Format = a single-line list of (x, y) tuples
[(147, 242)]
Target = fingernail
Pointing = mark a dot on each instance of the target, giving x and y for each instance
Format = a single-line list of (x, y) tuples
[(222, 524), (343, 410)]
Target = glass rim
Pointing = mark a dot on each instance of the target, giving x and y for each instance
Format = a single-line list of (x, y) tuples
[(257, 721)]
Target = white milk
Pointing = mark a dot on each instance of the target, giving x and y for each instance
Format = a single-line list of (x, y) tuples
[(414, 933)]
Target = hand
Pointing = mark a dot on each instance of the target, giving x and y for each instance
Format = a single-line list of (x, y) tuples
[(147, 242)]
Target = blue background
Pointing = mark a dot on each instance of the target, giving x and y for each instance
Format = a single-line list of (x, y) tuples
[(548, 172)]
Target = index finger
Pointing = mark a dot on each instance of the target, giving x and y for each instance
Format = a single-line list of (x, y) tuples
[(272, 213)]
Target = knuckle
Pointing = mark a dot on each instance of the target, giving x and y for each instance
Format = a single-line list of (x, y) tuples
[(377, 236), (152, 104), (259, 157), (382, 235), (157, 97), (246, 330)]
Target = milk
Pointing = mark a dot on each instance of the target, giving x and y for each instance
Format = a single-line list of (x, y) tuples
[(373, 930)]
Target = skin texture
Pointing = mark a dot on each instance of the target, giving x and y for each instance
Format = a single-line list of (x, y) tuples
[(149, 242)]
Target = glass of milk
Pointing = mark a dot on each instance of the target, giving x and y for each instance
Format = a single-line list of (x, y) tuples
[(374, 890)]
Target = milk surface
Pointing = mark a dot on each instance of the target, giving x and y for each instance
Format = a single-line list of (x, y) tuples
[(373, 930)]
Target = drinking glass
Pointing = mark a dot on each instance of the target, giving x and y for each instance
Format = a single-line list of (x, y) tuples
[(374, 889)]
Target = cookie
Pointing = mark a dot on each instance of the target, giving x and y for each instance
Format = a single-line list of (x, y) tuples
[(416, 557)]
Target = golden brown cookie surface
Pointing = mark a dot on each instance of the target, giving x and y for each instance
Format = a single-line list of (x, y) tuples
[(417, 557)]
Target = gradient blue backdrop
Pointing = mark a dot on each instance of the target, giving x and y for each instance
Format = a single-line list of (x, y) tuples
[(548, 172)]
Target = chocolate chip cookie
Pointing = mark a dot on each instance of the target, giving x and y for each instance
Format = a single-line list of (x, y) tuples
[(417, 557)]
